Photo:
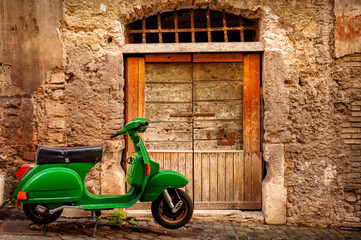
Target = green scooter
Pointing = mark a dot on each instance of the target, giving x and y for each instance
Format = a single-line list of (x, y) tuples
[(57, 182)]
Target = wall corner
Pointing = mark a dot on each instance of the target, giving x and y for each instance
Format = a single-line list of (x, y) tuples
[(274, 193)]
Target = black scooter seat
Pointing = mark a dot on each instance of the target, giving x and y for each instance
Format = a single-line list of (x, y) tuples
[(47, 155)]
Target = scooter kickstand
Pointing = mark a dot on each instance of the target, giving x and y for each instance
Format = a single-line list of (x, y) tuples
[(97, 213), (45, 229)]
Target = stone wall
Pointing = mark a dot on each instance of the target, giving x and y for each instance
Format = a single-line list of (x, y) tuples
[(311, 98)]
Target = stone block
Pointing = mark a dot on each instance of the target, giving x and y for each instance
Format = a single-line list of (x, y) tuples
[(2, 189), (58, 95), (57, 78), (274, 193), (57, 123), (55, 109), (112, 174), (56, 137)]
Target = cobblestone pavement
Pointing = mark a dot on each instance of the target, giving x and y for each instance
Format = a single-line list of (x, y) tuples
[(147, 229)]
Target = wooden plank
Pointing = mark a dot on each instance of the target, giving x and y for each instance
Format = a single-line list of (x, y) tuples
[(213, 175), (141, 88), (169, 92), (229, 177), (134, 94), (225, 57), (217, 90), (182, 163), (197, 151), (162, 111), (168, 73), (167, 161), (227, 205), (168, 145), (197, 177), (180, 131), (189, 173), (174, 162), (221, 172), (248, 176), (256, 177), (205, 176), (218, 71), (230, 109), (239, 177), (160, 160), (168, 58), (251, 103), (211, 133), (204, 145)]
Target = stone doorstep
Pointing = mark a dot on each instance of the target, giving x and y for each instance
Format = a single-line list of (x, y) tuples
[(200, 215), (213, 215)]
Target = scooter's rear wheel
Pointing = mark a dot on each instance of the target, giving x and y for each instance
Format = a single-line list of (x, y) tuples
[(163, 214), (40, 214)]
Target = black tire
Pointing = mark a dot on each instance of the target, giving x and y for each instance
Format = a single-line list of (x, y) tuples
[(165, 217), (37, 217)]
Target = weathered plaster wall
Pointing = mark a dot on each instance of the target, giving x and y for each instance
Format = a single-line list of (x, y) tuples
[(82, 103), (311, 100), (348, 27), (29, 48)]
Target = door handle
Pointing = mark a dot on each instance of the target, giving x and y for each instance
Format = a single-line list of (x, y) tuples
[(192, 115)]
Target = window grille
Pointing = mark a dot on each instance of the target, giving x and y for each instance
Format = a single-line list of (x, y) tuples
[(193, 26)]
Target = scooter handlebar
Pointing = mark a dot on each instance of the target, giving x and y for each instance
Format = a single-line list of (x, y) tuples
[(121, 132), (142, 124)]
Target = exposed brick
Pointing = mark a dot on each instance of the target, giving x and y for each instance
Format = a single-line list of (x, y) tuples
[(353, 141), (356, 103), (351, 130), (55, 109), (57, 123)]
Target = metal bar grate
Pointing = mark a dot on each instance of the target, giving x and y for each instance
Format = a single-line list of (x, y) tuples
[(225, 27)]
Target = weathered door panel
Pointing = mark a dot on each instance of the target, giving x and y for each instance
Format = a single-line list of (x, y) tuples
[(210, 129)]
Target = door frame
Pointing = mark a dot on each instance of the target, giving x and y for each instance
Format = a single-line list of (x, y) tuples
[(135, 97)]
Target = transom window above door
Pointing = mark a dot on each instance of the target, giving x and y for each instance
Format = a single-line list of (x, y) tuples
[(193, 26)]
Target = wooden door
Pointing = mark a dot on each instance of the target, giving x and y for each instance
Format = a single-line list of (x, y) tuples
[(209, 108)]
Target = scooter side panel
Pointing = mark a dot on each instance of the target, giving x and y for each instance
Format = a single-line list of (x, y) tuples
[(54, 185), (160, 181)]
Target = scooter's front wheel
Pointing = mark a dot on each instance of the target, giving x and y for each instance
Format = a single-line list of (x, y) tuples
[(40, 214), (163, 214)]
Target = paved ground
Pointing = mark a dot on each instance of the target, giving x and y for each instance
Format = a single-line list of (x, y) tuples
[(14, 225), (147, 229)]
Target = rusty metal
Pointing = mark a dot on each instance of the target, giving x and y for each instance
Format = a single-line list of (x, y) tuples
[(176, 26), (159, 28), (241, 28), (192, 115), (181, 115), (143, 30), (192, 26), (193, 30), (226, 139), (209, 26), (224, 26)]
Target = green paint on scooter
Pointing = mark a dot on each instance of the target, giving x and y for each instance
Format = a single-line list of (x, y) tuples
[(50, 184)]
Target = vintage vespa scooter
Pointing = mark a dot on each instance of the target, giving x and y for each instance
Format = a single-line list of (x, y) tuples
[(57, 182)]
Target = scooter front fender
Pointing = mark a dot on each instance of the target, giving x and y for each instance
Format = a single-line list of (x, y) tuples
[(54, 185), (163, 179)]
